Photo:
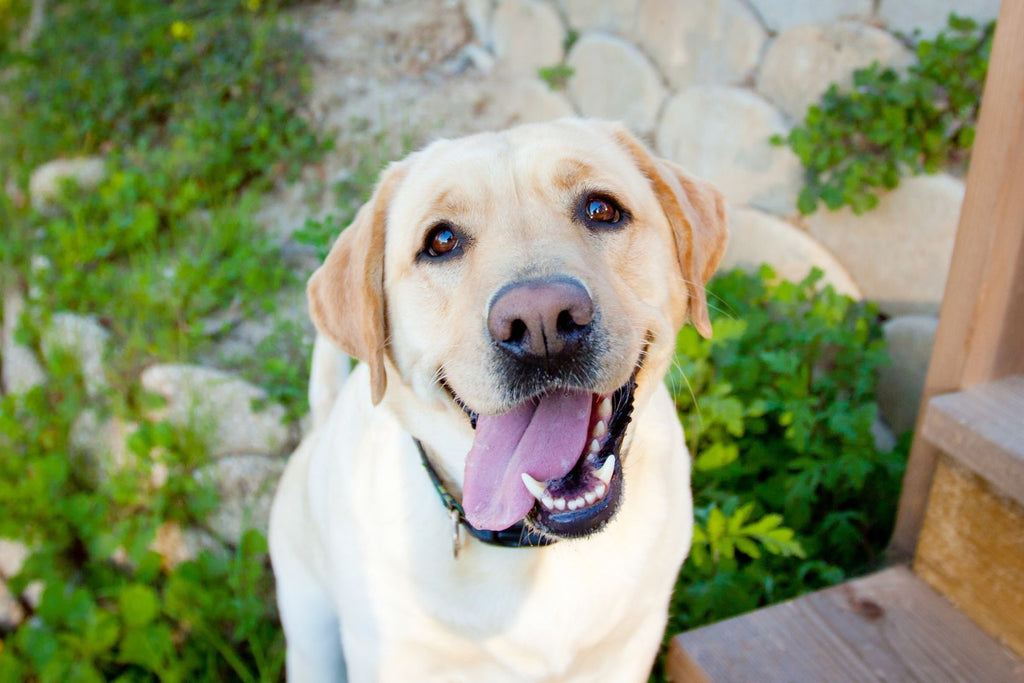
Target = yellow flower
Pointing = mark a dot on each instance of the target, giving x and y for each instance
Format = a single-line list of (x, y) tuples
[(182, 31)]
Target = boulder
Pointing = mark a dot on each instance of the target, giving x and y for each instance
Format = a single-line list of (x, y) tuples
[(610, 16), (900, 384), (479, 14), (86, 341), (528, 35), (779, 15), (46, 180), (530, 100), (246, 485), (637, 94), (899, 252), (19, 368), (721, 134), (929, 16), (697, 42), (12, 557), (805, 60), (176, 544), (756, 237), (221, 406), (11, 611)]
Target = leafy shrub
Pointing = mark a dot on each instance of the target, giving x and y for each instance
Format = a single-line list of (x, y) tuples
[(778, 409), (853, 143)]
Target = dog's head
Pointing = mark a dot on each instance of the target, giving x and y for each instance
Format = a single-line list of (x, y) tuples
[(523, 290)]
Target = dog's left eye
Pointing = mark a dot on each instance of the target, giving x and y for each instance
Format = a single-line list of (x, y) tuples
[(601, 209)]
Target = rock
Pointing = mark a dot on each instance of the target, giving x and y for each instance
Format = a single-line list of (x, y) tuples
[(86, 341), (802, 62), (177, 545), (12, 557), (479, 14), (899, 252), (530, 100), (19, 368), (637, 94), (722, 134), (756, 237), (11, 611), (700, 42), (528, 35), (779, 15), (930, 16), (46, 181), (884, 439), (219, 405), (900, 384), (246, 485), (611, 16), (103, 442)]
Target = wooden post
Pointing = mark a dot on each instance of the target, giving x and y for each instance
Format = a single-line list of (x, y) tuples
[(981, 325)]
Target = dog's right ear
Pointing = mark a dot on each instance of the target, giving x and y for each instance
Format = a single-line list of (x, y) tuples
[(346, 293)]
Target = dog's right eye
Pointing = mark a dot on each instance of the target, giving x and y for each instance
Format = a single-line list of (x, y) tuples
[(441, 241)]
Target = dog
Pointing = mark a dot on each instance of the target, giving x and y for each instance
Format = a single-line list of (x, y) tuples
[(499, 491)]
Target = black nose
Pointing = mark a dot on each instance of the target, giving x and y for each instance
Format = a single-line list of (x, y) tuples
[(541, 320)]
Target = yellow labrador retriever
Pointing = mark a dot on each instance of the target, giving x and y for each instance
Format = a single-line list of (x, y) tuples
[(500, 490)]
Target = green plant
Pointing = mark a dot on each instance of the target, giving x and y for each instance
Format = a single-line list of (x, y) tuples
[(778, 409), (854, 143)]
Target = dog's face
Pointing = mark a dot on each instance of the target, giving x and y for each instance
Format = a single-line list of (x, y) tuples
[(531, 283)]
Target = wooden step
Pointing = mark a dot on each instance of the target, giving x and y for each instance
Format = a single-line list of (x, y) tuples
[(890, 626)]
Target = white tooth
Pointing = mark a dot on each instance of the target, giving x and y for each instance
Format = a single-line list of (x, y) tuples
[(548, 502), (601, 490), (604, 409), (572, 505), (579, 502), (591, 497), (560, 503), (535, 487), (605, 473), (599, 429), (594, 446)]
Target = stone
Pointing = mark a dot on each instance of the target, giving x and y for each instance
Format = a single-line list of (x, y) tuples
[(86, 341), (910, 339), (883, 437), (245, 485), (613, 80), (700, 42), (528, 35), (530, 100), (756, 237), (805, 60), (20, 370), (220, 406), (479, 14), (610, 16), (930, 16), (103, 442), (721, 134), (46, 180), (177, 545), (899, 252), (780, 15), (12, 557), (11, 611)]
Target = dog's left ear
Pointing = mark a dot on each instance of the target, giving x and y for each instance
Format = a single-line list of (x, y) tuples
[(346, 293), (696, 211)]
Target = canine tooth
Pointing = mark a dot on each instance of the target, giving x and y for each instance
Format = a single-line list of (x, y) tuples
[(607, 469), (535, 487), (548, 502), (572, 505), (601, 490), (591, 496), (604, 408), (560, 503), (595, 446), (600, 429)]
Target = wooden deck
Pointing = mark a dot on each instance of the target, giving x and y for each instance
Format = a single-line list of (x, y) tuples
[(890, 626)]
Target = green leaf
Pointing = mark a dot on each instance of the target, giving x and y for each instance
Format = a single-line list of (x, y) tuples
[(139, 605), (716, 456)]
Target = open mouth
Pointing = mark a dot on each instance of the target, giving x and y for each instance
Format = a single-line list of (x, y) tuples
[(554, 460)]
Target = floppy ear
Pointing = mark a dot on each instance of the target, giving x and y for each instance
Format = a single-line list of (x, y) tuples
[(696, 211), (346, 293)]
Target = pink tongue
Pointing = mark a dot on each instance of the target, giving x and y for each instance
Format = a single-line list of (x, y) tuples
[(544, 440)]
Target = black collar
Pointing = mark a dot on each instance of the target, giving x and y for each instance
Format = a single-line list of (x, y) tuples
[(516, 536)]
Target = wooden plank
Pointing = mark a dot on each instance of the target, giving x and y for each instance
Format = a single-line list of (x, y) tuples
[(981, 326), (889, 626), (983, 429), (972, 551)]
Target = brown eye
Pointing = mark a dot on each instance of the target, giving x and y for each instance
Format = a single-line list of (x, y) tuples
[(599, 209), (441, 241)]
